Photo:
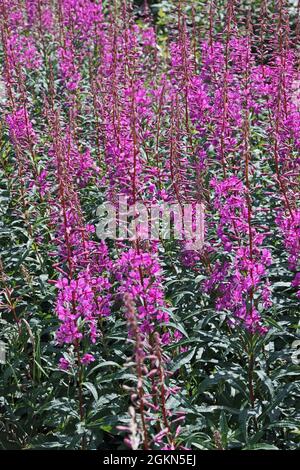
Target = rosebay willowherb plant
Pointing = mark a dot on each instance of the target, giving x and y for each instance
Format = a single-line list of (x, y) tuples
[(138, 341)]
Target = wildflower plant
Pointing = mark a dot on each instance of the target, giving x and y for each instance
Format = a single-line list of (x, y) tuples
[(169, 321)]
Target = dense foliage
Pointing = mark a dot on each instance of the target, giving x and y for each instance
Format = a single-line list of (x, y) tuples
[(149, 344)]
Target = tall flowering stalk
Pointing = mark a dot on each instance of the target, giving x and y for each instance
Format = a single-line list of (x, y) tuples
[(159, 425)]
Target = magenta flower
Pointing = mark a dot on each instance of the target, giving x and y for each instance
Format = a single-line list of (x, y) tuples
[(87, 359), (64, 364)]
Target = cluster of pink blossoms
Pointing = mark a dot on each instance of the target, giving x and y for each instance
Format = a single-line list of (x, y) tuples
[(83, 300), (244, 277), (290, 227), (20, 127), (139, 275)]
